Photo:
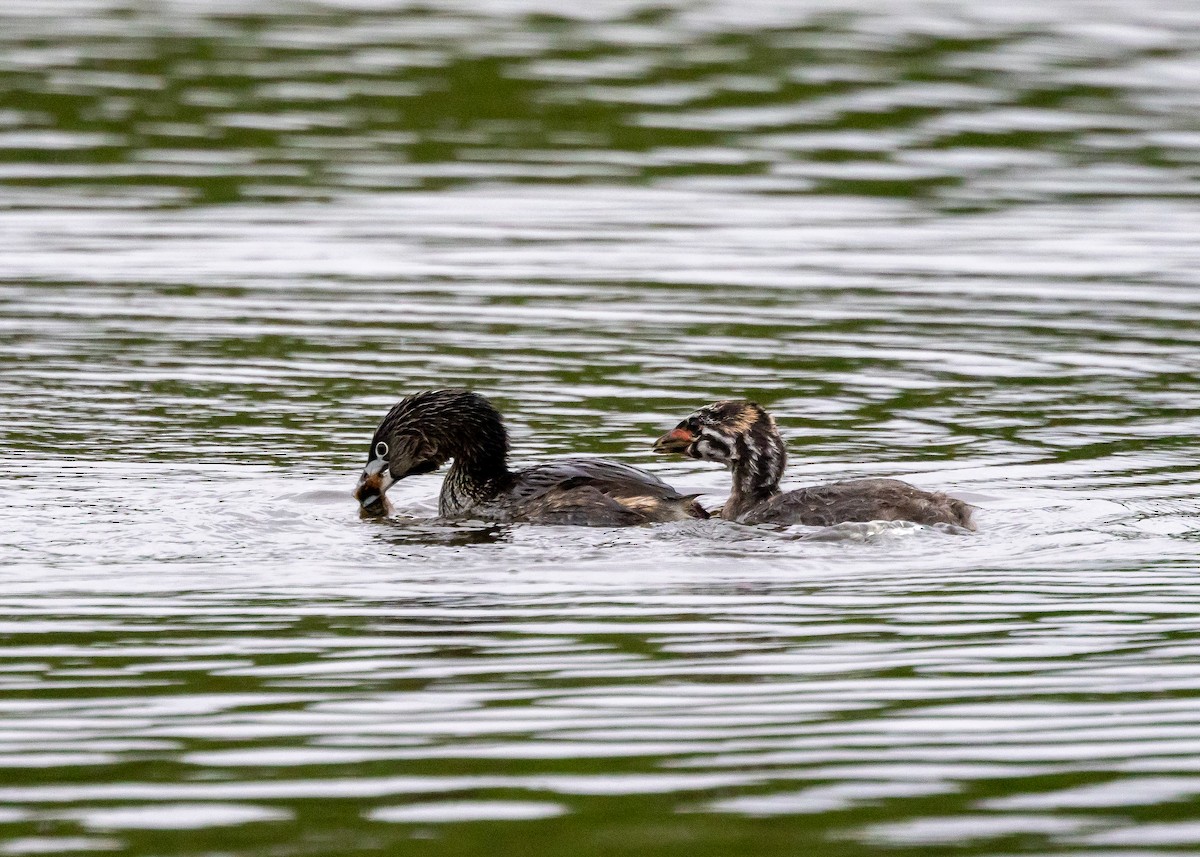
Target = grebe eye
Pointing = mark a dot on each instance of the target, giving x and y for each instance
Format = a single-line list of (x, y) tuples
[(381, 450)]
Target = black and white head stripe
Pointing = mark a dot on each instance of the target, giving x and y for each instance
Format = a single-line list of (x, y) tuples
[(742, 435), (717, 428), (711, 444)]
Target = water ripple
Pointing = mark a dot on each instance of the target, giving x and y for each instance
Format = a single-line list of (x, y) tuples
[(950, 243)]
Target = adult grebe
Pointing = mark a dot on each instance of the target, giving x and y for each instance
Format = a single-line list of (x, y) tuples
[(425, 430)]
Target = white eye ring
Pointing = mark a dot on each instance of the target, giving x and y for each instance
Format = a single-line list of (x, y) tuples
[(381, 450)]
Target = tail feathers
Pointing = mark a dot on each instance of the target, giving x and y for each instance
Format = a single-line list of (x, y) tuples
[(658, 509), (960, 513), (694, 509)]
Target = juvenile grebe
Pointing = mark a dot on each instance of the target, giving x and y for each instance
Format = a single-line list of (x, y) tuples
[(743, 436), (425, 430)]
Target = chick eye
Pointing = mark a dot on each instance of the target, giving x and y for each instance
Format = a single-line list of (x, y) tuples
[(381, 450)]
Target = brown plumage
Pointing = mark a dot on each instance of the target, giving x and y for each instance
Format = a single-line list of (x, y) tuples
[(743, 436), (425, 430)]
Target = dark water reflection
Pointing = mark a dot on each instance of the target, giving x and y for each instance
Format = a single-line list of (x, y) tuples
[(950, 242), (211, 102)]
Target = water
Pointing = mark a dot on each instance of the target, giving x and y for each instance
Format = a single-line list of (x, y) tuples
[(946, 242)]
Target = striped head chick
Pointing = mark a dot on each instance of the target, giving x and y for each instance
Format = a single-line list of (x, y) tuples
[(743, 437)]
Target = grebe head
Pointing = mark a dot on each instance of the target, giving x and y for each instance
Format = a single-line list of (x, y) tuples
[(424, 430), (736, 433)]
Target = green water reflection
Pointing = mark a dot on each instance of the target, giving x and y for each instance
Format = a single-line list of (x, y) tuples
[(311, 101), (946, 242)]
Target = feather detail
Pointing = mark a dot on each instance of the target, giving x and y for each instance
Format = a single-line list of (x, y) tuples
[(427, 429)]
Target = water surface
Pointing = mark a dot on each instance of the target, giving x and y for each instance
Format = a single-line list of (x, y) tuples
[(946, 243)]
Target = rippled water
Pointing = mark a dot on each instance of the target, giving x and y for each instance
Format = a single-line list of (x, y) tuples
[(954, 243)]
